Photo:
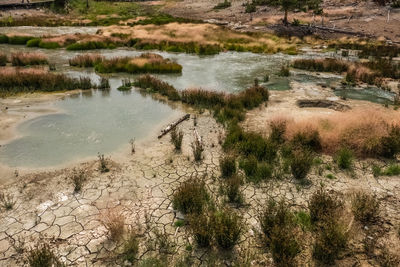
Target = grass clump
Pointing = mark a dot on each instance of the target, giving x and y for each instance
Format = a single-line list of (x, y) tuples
[(190, 197), (197, 148), (27, 59), (145, 63), (43, 256), (19, 40), (284, 71), (331, 240), (321, 65), (114, 221), (324, 207), (365, 207), (227, 228), (344, 158), (7, 201), (86, 60), (103, 163), (227, 165), (232, 189), (279, 231), (301, 163), (201, 226), (176, 138)]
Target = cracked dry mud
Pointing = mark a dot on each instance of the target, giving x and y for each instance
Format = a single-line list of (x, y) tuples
[(141, 187)]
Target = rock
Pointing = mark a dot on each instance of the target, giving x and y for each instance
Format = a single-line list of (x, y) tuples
[(321, 103)]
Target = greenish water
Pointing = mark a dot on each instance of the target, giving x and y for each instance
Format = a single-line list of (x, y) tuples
[(105, 121)]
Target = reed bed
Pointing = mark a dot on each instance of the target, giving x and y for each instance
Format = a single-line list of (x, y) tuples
[(16, 80), (28, 59), (86, 60)]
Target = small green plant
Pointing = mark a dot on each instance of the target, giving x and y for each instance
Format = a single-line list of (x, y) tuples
[(179, 223), (176, 138), (227, 165), (249, 166), (190, 197), (300, 163), (43, 256), (130, 247), (330, 176), (365, 207), (103, 162), (376, 170), (344, 158), (303, 219), (78, 177), (227, 228)]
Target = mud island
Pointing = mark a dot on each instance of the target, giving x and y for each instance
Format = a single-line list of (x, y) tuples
[(181, 133)]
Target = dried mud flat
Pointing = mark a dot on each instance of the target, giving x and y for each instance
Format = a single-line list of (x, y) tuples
[(141, 188)]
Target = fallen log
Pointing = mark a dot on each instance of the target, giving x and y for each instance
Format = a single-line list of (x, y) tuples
[(322, 103), (173, 125)]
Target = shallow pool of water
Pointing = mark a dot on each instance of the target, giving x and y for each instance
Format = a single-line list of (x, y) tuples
[(92, 122)]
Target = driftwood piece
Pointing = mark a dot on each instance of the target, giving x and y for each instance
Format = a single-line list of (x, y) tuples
[(173, 125), (322, 103)]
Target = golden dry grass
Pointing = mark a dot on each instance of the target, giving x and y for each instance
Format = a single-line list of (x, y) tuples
[(114, 221), (358, 129)]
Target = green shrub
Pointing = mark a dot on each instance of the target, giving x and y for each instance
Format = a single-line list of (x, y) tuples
[(176, 138), (301, 163), (264, 171), (130, 247), (321, 65), (376, 170), (227, 228), (33, 42), (201, 226), (49, 45), (365, 207), (344, 158), (331, 240), (250, 8), (19, 40), (190, 197), (43, 256), (254, 144), (3, 39), (278, 226), (303, 219), (227, 165), (249, 166), (324, 207)]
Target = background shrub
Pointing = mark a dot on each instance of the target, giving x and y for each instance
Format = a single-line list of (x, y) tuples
[(3, 59), (201, 226), (190, 197), (232, 189), (324, 206), (330, 241)]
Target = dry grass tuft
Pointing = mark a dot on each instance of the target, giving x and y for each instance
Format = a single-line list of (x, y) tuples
[(25, 59), (114, 221)]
